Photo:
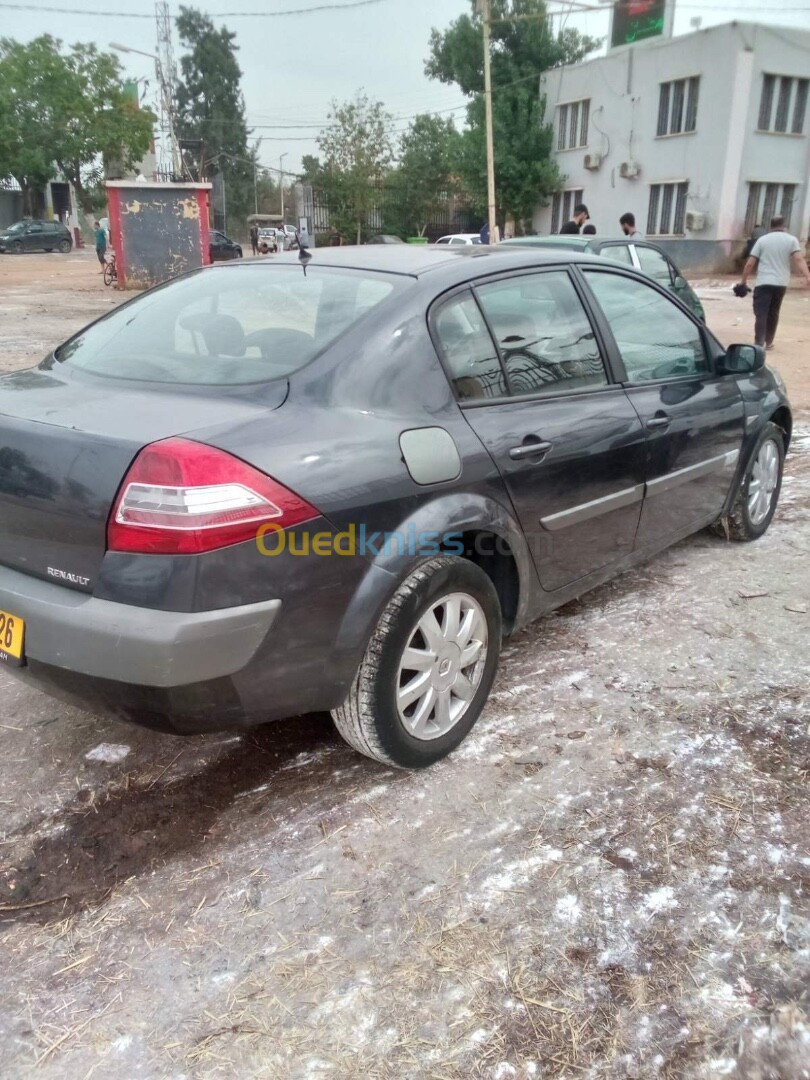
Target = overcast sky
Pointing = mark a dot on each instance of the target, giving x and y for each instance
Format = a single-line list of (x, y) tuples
[(294, 65)]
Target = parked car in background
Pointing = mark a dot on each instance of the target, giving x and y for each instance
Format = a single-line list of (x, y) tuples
[(222, 248), (35, 236), (252, 492), (460, 238), (269, 238), (629, 251), (385, 238)]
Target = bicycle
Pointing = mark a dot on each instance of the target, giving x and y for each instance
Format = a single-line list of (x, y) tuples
[(110, 270)]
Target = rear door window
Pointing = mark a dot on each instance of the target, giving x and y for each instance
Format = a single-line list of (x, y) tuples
[(546, 340), (230, 327), (655, 264), (619, 253)]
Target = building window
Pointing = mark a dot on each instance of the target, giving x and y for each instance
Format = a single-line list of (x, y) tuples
[(562, 207), (572, 126), (677, 106), (783, 104), (667, 210), (766, 201)]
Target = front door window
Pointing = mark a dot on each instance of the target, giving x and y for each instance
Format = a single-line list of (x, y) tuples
[(655, 338)]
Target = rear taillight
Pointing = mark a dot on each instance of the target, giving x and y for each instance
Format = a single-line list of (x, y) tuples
[(182, 498)]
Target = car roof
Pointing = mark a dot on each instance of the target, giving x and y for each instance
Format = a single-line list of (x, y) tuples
[(573, 242), (416, 260)]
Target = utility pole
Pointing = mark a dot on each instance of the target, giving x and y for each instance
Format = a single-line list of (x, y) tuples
[(281, 178), (255, 179), (491, 216)]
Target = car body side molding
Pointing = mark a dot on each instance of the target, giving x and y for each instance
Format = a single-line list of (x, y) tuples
[(565, 518), (692, 472)]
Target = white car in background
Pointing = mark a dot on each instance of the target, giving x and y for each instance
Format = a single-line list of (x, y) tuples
[(460, 238), (269, 238)]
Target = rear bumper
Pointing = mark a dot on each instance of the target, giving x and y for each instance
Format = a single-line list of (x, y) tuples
[(105, 640)]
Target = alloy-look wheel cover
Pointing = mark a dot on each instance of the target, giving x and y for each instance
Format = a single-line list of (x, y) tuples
[(762, 485), (442, 666)]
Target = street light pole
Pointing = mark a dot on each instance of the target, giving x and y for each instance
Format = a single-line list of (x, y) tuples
[(486, 13), (255, 180), (281, 178)]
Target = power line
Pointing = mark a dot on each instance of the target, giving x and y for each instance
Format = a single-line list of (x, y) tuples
[(318, 8)]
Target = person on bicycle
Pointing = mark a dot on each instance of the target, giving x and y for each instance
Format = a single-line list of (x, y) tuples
[(101, 245)]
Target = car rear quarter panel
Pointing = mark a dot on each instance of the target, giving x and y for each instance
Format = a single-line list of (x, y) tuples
[(336, 443)]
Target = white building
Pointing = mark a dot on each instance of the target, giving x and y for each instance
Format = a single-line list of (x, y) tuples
[(701, 136)]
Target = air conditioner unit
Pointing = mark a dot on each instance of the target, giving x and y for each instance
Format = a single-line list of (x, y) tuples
[(592, 161), (629, 170), (695, 221)]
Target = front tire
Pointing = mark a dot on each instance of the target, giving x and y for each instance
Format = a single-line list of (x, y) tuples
[(109, 274), (428, 668), (65, 247), (758, 494), (17, 247)]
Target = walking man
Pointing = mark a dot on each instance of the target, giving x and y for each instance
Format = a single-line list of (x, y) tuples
[(579, 218), (628, 224), (254, 239), (772, 258), (101, 245)]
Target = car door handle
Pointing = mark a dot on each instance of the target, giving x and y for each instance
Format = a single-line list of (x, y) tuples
[(529, 449), (662, 421)]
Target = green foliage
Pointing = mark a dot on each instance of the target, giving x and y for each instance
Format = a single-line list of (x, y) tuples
[(357, 151), (210, 106), (66, 111), (429, 155), (522, 50)]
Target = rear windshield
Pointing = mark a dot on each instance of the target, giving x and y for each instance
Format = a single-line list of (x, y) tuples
[(228, 327)]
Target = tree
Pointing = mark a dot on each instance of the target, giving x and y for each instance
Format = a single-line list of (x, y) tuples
[(522, 49), (210, 106), (357, 150), (66, 111), (428, 158)]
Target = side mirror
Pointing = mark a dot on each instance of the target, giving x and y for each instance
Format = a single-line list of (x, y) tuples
[(680, 282), (742, 360)]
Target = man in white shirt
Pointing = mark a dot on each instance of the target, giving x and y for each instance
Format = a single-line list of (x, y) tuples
[(772, 258)]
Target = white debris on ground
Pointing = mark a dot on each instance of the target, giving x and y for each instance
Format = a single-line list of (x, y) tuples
[(109, 753)]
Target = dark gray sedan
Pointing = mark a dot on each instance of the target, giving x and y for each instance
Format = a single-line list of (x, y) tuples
[(264, 489)]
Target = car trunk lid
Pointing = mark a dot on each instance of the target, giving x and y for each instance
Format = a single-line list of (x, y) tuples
[(65, 446)]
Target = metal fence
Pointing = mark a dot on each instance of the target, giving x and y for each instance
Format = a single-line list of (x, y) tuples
[(388, 213)]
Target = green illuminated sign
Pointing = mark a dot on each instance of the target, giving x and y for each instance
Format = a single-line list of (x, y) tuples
[(637, 20)]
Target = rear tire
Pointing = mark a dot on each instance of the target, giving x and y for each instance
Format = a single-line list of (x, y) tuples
[(428, 668), (758, 493)]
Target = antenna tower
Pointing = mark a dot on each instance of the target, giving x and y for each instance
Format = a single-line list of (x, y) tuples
[(167, 76)]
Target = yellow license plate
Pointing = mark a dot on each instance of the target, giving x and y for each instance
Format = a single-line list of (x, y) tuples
[(12, 639)]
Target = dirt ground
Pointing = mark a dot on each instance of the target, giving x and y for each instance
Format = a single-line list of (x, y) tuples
[(608, 880)]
